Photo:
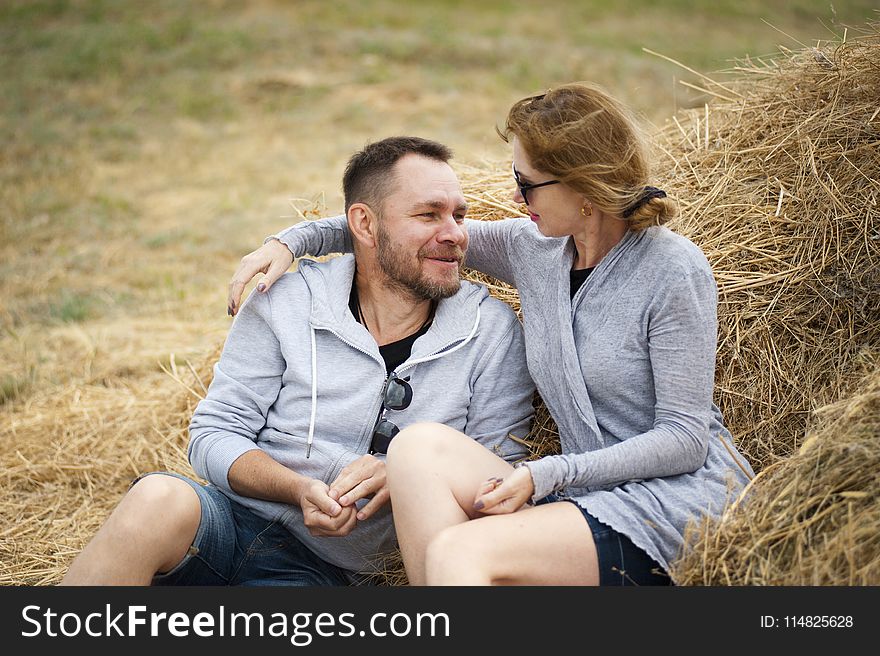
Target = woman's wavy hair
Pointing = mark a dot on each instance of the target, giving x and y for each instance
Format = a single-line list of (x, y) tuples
[(590, 141)]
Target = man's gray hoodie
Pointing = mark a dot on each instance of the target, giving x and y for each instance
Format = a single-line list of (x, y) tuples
[(297, 369)]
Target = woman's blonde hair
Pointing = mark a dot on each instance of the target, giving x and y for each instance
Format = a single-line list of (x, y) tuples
[(591, 142)]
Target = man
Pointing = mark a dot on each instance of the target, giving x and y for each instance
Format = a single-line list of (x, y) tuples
[(315, 379)]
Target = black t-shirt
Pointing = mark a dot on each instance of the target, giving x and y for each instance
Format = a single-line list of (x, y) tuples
[(395, 353), (578, 276)]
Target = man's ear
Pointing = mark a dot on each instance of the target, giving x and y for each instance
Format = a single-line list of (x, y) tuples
[(363, 224)]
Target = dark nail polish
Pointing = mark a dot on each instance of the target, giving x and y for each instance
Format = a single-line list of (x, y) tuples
[(261, 287), (478, 505), (229, 311)]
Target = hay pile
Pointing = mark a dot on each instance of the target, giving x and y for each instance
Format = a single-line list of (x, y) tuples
[(810, 519)]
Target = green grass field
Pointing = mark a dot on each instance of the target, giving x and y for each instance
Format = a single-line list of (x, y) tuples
[(147, 146)]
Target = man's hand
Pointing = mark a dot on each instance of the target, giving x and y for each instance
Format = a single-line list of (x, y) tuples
[(272, 259), (498, 496), (359, 479), (322, 515)]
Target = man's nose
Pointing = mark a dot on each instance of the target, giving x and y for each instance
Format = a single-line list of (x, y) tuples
[(452, 231)]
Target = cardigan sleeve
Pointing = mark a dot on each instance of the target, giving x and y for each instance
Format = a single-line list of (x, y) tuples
[(490, 245), (316, 238), (682, 335)]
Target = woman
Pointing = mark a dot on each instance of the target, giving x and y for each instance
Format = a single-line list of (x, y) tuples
[(620, 322)]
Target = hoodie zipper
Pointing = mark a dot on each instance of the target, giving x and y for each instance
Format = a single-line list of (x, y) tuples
[(365, 437)]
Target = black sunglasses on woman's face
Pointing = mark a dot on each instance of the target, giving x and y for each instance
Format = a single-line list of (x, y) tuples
[(524, 188)]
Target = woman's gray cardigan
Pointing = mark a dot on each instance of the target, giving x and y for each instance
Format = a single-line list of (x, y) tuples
[(626, 368)]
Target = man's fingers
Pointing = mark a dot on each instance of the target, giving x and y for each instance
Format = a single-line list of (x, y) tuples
[(326, 505), (339, 526), (344, 483), (379, 499), (319, 521), (341, 520), (361, 490), (349, 525), (363, 469)]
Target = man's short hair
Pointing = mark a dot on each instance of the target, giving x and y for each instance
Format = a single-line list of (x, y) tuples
[(369, 174)]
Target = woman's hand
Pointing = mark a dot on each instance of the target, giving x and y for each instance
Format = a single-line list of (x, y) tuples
[(272, 259), (498, 496)]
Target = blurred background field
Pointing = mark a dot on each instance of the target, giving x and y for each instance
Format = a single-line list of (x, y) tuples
[(147, 146)]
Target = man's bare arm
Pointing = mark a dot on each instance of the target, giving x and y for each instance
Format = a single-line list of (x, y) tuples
[(255, 474)]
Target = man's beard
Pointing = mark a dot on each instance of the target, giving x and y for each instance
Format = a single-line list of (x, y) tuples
[(407, 277)]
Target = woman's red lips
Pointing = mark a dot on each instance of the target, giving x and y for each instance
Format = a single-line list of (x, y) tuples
[(534, 217)]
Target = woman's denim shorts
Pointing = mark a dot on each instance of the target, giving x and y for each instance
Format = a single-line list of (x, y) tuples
[(620, 561)]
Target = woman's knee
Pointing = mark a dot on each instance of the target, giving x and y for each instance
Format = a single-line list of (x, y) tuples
[(425, 441)]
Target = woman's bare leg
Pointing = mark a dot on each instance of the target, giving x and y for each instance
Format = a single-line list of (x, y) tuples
[(550, 544), (433, 473)]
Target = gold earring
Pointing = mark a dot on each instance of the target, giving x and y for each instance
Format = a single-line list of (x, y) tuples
[(584, 213)]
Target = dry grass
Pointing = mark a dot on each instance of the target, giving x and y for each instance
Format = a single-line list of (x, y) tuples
[(811, 518), (68, 453)]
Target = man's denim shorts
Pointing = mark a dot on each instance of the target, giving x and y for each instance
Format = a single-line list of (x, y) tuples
[(620, 561), (233, 546)]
